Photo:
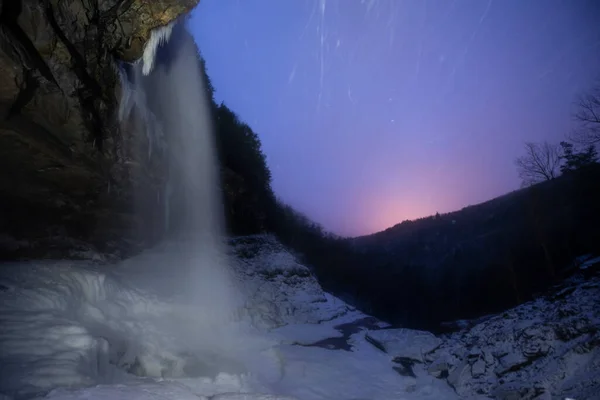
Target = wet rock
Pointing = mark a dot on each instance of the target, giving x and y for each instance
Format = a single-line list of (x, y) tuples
[(64, 161)]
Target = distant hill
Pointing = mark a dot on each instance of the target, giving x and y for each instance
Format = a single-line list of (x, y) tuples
[(485, 257)]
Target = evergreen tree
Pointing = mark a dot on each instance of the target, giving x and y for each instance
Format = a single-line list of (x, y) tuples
[(574, 160)]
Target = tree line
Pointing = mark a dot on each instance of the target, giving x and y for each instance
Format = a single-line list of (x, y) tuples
[(545, 161)]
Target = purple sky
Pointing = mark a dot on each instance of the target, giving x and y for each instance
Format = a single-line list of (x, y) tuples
[(375, 111)]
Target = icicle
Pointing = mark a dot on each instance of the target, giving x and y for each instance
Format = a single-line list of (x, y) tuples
[(127, 95), (133, 96), (157, 37)]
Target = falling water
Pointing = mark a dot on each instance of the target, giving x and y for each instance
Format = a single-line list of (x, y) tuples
[(164, 94)]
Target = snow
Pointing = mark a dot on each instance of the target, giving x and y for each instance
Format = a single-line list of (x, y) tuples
[(278, 290), (405, 343), (365, 372), (546, 348), (152, 390), (65, 324), (82, 330), (310, 333), (158, 36)]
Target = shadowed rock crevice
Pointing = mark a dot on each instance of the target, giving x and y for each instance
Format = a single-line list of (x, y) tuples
[(27, 91), (22, 45), (91, 92)]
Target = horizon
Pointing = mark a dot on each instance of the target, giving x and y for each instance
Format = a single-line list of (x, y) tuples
[(379, 112)]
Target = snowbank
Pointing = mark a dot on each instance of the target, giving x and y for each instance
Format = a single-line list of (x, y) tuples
[(278, 289), (75, 325)]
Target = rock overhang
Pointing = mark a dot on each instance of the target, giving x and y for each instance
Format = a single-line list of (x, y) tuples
[(61, 147)]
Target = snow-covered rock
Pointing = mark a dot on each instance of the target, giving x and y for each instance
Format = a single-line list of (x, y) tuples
[(277, 288), (547, 348)]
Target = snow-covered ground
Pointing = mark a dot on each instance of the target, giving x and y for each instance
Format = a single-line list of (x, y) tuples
[(548, 348), (76, 330)]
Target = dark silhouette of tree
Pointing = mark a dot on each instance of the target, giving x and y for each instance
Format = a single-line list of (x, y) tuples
[(587, 116), (540, 163), (245, 176), (574, 160)]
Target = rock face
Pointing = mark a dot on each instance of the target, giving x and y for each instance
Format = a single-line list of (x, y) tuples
[(62, 156), (547, 348), (279, 290)]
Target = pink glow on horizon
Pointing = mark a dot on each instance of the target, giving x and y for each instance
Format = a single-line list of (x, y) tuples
[(387, 213)]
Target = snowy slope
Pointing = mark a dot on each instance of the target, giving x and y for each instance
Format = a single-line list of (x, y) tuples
[(322, 348), (545, 349), (277, 288), (83, 330)]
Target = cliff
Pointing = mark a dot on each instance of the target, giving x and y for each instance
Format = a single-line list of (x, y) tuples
[(64, 172)]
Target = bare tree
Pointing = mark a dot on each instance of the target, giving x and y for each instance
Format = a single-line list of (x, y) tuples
[(540, 163), (587, 116)]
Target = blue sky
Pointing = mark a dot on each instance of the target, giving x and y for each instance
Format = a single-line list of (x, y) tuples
[(375, 111)]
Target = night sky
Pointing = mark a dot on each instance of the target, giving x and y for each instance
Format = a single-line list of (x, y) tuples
[(375, 111)]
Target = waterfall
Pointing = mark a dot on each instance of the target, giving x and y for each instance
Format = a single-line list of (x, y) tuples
[(164, 94)]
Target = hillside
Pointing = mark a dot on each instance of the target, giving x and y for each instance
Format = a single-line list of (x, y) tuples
[(471, 262), (548, 202)]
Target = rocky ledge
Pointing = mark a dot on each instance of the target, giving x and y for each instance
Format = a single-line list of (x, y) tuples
[(63, 155), (545, 349)]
